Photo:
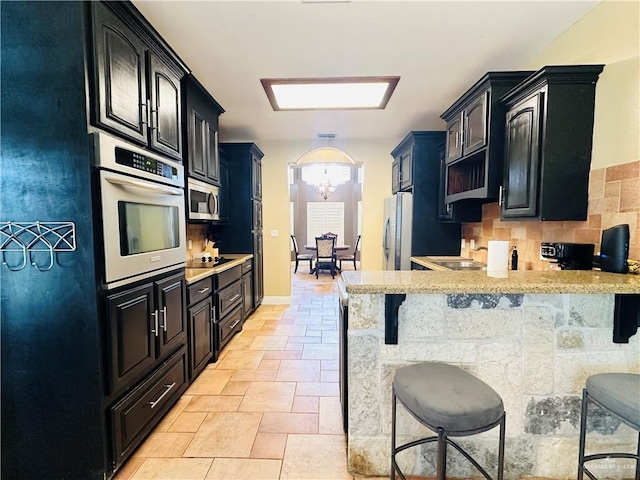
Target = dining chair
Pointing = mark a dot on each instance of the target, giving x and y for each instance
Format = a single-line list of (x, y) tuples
[(332, 235), (325, 257), (350, 257), (301, 256)]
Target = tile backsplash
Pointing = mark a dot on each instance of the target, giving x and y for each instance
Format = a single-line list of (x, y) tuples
[(197, 233), (614, 198)]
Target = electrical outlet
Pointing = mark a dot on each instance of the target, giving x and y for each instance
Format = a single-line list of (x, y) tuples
[(274, 233)]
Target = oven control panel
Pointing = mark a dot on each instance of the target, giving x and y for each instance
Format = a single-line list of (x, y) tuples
[(145, 163)]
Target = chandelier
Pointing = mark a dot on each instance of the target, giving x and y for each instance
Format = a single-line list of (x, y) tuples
[(325, 187)]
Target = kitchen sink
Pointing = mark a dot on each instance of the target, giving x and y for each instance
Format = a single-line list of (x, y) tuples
[(461, 264)]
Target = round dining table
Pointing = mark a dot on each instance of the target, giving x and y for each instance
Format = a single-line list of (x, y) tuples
[(336, 248)]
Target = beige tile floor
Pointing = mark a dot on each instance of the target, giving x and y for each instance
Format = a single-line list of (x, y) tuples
[(268, 409)]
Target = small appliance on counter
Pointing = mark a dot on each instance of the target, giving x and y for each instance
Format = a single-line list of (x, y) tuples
[(570, 256)]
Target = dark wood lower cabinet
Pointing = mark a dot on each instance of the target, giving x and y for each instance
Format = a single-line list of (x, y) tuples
[(133, 417), (172, 325), (131, 341), (202, 341), (247, 293), (145, 324), (146, 359), (201, 320), (229, 304), (230, 325)]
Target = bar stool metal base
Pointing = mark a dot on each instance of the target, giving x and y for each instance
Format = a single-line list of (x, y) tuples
[(582, 458), (442, 438)]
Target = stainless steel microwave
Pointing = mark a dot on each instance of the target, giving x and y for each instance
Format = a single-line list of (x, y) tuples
[(203, 200)]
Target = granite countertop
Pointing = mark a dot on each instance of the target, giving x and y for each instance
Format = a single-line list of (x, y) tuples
[(478, 281), (342, 292), (193, 275)]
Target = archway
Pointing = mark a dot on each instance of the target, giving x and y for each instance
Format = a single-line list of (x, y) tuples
[(325, 194)]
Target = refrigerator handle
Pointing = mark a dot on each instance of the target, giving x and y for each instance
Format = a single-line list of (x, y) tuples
[(385, 246)]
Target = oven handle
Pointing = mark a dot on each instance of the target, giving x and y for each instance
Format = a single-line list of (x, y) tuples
[(144, 185)]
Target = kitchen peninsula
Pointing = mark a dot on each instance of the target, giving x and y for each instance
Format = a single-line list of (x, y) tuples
[(534, 337)]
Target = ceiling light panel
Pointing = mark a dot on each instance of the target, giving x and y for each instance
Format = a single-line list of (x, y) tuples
[(329, 93)]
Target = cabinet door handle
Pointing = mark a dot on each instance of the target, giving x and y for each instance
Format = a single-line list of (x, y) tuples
[(203, 290), (213, 314), (153, 124), (235, 297), (500, 194), (234, 325), (145, 111), (168, 389), (155, 323), (164, 318)]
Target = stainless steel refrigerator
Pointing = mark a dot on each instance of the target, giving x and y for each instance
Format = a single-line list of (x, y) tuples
[(397, 228)]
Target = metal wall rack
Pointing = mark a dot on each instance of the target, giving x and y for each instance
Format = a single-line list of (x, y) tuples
[(27, 238)]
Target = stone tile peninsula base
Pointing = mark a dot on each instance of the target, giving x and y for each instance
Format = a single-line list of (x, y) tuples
[(535, 348)]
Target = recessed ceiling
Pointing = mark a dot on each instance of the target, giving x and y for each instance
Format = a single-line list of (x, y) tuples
[(438, 48), (342, 93)]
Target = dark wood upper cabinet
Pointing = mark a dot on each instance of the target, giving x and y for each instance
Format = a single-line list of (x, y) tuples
[(120, 76), (402, 168), (224, 187), (166, 109), (475, 139), (454, 138), (201, 112), (395, 176), (256, 175), (136, 83), (420, 154), (521, 173), (475, 124), (549, 136)]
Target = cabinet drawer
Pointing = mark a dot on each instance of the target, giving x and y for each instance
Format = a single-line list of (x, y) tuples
[(228, 276), (136, 414), (231, 324), (229, 298), (246, 266), (199, 291)]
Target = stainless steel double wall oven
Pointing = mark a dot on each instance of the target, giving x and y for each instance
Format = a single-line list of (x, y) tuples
[(143, 211)]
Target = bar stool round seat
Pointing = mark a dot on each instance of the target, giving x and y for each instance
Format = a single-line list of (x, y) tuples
[(619, 395), (451, 402)]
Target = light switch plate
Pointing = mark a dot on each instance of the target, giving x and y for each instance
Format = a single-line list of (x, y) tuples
[(274, 233)]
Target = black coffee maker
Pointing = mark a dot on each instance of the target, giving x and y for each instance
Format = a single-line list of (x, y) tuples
[(570, 256)]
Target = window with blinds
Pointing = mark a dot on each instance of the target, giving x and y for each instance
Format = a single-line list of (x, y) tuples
[(323, 217)]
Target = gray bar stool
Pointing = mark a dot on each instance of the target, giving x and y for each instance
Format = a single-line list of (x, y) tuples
[(451, 402), (619, 395)]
